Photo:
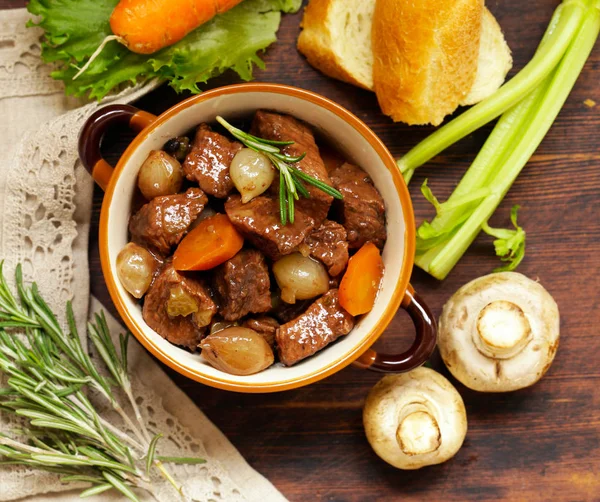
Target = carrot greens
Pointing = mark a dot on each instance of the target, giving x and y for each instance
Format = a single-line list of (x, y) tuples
[(528, 105)]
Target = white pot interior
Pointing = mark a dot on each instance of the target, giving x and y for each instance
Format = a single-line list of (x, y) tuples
[(346, 139)]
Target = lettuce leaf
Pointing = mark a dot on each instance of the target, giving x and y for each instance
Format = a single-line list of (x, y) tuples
[(73, 30)]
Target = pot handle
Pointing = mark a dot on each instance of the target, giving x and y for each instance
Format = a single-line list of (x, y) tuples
[(90, 137), (422, 347)]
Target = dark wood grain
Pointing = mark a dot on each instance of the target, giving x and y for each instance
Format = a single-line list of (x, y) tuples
[(541, 443)]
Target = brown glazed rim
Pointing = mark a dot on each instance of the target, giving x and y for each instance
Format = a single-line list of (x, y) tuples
[(382, 322)]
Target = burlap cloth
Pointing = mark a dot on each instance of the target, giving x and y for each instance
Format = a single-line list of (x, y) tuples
[(46, 197)]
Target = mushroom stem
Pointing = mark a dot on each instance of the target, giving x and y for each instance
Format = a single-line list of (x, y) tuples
[(503, 330), (499, 333), (415, 419), (418, 432)]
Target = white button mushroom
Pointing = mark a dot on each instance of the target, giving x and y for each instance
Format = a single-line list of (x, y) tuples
[(415, 419), (499, 332)]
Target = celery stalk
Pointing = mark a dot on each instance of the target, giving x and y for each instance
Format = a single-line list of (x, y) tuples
[(564, 25), (458, 202), (440, 260), (499, 147)]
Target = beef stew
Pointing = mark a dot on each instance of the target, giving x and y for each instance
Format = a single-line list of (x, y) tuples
[(179, 307), (362, 212), (243, 285), (322, 323), (209, 160), (277, 127), (275, 294), (258, 221), (161, 224), (329, 244)]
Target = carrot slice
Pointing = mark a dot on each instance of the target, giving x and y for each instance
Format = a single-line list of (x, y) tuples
[(212, 242), (360, 283)]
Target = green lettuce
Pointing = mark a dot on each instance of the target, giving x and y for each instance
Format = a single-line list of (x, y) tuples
[(73, 30)]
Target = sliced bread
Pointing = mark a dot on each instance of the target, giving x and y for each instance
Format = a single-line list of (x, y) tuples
[(494, 61), (336, 39)]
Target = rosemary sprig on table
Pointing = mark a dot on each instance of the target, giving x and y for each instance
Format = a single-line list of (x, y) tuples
[(290, 177), (48, 372)]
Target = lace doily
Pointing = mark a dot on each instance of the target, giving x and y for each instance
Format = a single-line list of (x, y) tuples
[(22, 73), (46, 199)]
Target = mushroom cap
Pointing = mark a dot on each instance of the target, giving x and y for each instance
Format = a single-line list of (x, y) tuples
[(415, 419), (499, 332)]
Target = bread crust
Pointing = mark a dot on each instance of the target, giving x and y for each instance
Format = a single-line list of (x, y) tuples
[(316, 41), (425, 61)]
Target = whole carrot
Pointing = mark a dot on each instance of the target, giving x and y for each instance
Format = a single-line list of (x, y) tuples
[(146, 26)]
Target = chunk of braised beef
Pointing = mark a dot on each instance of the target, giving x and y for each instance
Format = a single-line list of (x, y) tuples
[(209, 160), (259, 221), (243, 285), (324, 322), (331, 158), (161, 223), (285, 312), (278, 127), (328, 244), (362, 209), (264, 326), (179, 307)]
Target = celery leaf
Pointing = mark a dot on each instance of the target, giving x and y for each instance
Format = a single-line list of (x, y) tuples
[(429, 197), (509, 244)]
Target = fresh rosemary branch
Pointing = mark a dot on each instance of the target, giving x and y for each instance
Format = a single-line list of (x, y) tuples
[(48, 372), (290, 177)]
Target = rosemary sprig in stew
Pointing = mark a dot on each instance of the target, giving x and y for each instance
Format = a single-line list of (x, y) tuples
[(290, 177), (48, 373)]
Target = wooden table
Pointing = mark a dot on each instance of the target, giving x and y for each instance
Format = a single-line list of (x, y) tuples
[(541, 443)]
